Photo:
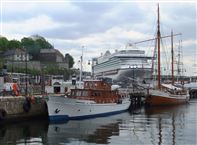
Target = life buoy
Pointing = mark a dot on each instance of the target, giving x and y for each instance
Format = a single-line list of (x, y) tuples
[(33, 99), (27, 105), (3, 114)]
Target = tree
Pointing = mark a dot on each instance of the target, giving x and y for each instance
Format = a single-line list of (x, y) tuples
[(13, 44), (1, 63), (69, 59), (3, 43), (43, 43), (27, 42), (34, 44), (31, 47)]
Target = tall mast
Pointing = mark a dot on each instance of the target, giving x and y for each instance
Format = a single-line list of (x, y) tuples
[(158, 46), (172, 55)]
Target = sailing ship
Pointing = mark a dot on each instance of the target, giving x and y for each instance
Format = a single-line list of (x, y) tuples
[(95, 99), (165, 94)]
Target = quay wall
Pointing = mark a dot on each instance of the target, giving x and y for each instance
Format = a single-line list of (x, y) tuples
[(193, 93), (21, 107)]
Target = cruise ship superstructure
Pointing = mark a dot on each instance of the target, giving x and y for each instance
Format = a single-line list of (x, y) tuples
[(128, 63)]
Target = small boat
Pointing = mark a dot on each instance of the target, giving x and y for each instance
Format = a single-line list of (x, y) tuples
[(94, 100), (165, 94)]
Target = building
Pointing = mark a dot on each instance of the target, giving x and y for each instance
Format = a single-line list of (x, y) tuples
[(53, 56), (18, 54)]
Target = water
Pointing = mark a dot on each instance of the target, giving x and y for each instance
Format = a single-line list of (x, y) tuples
[(153, 126)]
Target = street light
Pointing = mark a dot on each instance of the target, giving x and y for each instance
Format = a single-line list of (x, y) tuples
[(81, 60)]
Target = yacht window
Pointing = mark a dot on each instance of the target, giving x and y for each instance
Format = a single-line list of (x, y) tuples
[(96, 94), (85, 93), (78, 93), (73, 93), (86, 84)]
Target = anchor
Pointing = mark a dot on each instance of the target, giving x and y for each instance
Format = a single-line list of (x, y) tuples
[(57, 110)]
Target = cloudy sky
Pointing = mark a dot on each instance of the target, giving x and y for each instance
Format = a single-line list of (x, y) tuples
[(102, 25)]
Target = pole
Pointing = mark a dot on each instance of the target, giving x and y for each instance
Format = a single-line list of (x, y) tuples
[(156, 38), (158, 45), (81, 70), (42, 79), (133, 78), (26, 72), (172, 55)]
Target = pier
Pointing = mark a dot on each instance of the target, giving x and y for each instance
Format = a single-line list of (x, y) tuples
[(193, 93), (20, 108), (136, 100)]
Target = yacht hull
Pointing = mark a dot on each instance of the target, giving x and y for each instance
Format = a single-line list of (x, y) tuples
[(62, 108)]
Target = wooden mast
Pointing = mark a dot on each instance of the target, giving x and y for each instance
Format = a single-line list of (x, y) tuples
[(172, 55), (158, 46)]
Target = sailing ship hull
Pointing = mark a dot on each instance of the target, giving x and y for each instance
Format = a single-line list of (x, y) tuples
[(62, 108), (160, 98)]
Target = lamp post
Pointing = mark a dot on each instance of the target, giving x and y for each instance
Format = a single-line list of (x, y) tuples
[(42, 79), (81, 70), (25, 71)]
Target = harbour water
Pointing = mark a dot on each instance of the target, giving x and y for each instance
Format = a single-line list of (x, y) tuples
[(145, 126)]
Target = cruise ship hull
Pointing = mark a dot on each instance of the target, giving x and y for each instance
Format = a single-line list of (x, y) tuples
[(122, 74), (130, 63)]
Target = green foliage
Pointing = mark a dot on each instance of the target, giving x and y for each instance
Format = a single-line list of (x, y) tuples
[(13, 44), (35, 44), (1, 63), (23, 70), (43, 43), (69, 59), (3, 43), (53, 69), (31, 47)]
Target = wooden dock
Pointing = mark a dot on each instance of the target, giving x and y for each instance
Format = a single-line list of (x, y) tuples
[(137, 100)]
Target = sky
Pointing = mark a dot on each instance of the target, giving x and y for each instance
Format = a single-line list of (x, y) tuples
[(93, 27)]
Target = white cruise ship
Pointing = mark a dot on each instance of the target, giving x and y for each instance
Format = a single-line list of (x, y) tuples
[(123, 64)]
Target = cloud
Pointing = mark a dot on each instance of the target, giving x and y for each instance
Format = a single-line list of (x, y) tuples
[(31, 25), (189, 43), (99, 25)]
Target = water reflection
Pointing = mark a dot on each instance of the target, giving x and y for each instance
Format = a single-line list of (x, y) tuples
[(24, 132), (97, 130), (166, 119), (152, 126), (167, 124)]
